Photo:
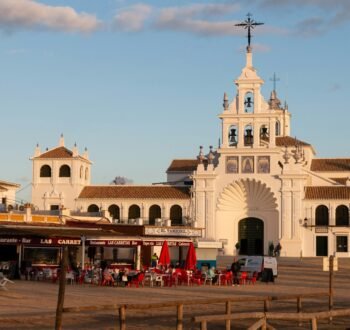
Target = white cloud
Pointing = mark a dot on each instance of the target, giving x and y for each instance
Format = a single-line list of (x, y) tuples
[(194, 19), (29, 14), (132, 19)]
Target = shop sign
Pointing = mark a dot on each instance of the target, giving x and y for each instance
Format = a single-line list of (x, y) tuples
[(41, 241), (182, 232), (113, 242), (160, 243)]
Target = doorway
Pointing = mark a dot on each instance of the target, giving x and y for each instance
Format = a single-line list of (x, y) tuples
[(251, 236)]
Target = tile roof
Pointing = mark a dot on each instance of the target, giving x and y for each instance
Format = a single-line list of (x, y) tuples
[(59, 152), (183, 165), (289, 141), (141, 192), (6, 183), (331, 165), (333, 192)]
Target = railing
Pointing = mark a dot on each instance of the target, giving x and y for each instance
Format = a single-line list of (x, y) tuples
[(85, 214), (203, 319), (51, 212), (264, 317)]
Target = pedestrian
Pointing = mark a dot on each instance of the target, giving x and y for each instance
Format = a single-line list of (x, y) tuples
[(278, 249)]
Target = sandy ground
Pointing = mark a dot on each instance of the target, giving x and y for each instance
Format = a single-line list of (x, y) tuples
[(32, 305)]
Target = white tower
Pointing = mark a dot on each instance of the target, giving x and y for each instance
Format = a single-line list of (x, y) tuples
[(59, 175)]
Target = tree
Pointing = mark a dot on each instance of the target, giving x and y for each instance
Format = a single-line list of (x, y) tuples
[(121, 180)]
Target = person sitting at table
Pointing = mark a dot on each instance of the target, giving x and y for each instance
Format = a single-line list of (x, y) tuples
[(211, 275)]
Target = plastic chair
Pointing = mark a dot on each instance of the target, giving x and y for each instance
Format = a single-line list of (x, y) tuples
[(252, 279), (227, 279), (137, 280), (243, 278)]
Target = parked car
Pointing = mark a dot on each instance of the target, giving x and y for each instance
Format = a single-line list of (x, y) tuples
[(260, 264)]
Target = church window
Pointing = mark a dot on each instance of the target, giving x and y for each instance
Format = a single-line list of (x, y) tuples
[(322, 215), (93, 208), (155, 212), (176, 215), (86, 174), (248, 135), (264, 134), (114, 211), (134, 212), (342, 216), (278, 128), (81, 172), (45, 171), (232, 136), (64, 171), (249, 102)]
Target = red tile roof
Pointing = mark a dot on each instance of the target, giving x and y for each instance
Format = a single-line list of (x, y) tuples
[(331, 165), (333, 192), (141, 192), (282, 141), (183, 165), (59, 152)]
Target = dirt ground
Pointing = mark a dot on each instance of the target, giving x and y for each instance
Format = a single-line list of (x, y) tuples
[(32, 305)]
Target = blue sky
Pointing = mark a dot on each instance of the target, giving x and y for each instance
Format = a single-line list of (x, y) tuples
[(141, 83)]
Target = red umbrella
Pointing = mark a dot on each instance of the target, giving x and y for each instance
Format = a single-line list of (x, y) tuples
[(191, 258), (164, 258)]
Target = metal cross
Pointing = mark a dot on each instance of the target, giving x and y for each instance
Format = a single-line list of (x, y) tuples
[(249, 24), (274, 79)]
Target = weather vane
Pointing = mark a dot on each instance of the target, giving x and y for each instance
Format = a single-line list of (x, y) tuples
[(249, 24), (274, 79)]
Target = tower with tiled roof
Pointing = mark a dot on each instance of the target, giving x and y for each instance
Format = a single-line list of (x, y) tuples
[(59, 175)]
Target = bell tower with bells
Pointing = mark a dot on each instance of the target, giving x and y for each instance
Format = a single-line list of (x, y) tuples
[(249, 121)]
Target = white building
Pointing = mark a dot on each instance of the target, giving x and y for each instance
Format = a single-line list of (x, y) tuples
[(8, 195), (260, 186)]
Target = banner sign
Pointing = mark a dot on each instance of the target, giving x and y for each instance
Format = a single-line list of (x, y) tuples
[(166, 231)]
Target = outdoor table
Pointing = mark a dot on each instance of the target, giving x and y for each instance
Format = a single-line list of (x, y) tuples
[(220, 276)]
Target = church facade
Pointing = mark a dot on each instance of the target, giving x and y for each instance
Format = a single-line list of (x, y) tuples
[(259, 187)]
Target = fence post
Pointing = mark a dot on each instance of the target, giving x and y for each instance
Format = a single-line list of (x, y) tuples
[(204, 325), (299, 307), (228, 312), (314, 324), (61, 289), (180, 317), (266, 305), (331, 274), (122, 318)]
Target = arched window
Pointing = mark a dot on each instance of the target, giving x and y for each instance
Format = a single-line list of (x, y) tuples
[(86, 174), (81, 172), (154, 213), (342, 216), (264, 134), (176, 215), (93, 208), (45, 171), (232, 136), (322, 215), (114, 211), (134, 212), (248, 135), (64, 171), (278, 128), (249, 102)]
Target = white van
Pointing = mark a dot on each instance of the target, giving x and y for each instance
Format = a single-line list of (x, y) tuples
[(258, 264)]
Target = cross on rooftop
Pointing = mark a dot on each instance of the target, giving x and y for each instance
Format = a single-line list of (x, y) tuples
[(274, 79), (249, 24)]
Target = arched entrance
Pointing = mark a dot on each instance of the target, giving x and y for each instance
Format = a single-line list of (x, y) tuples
[(251, 236)]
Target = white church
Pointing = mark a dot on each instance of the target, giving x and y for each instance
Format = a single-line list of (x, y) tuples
[(261, 186)]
